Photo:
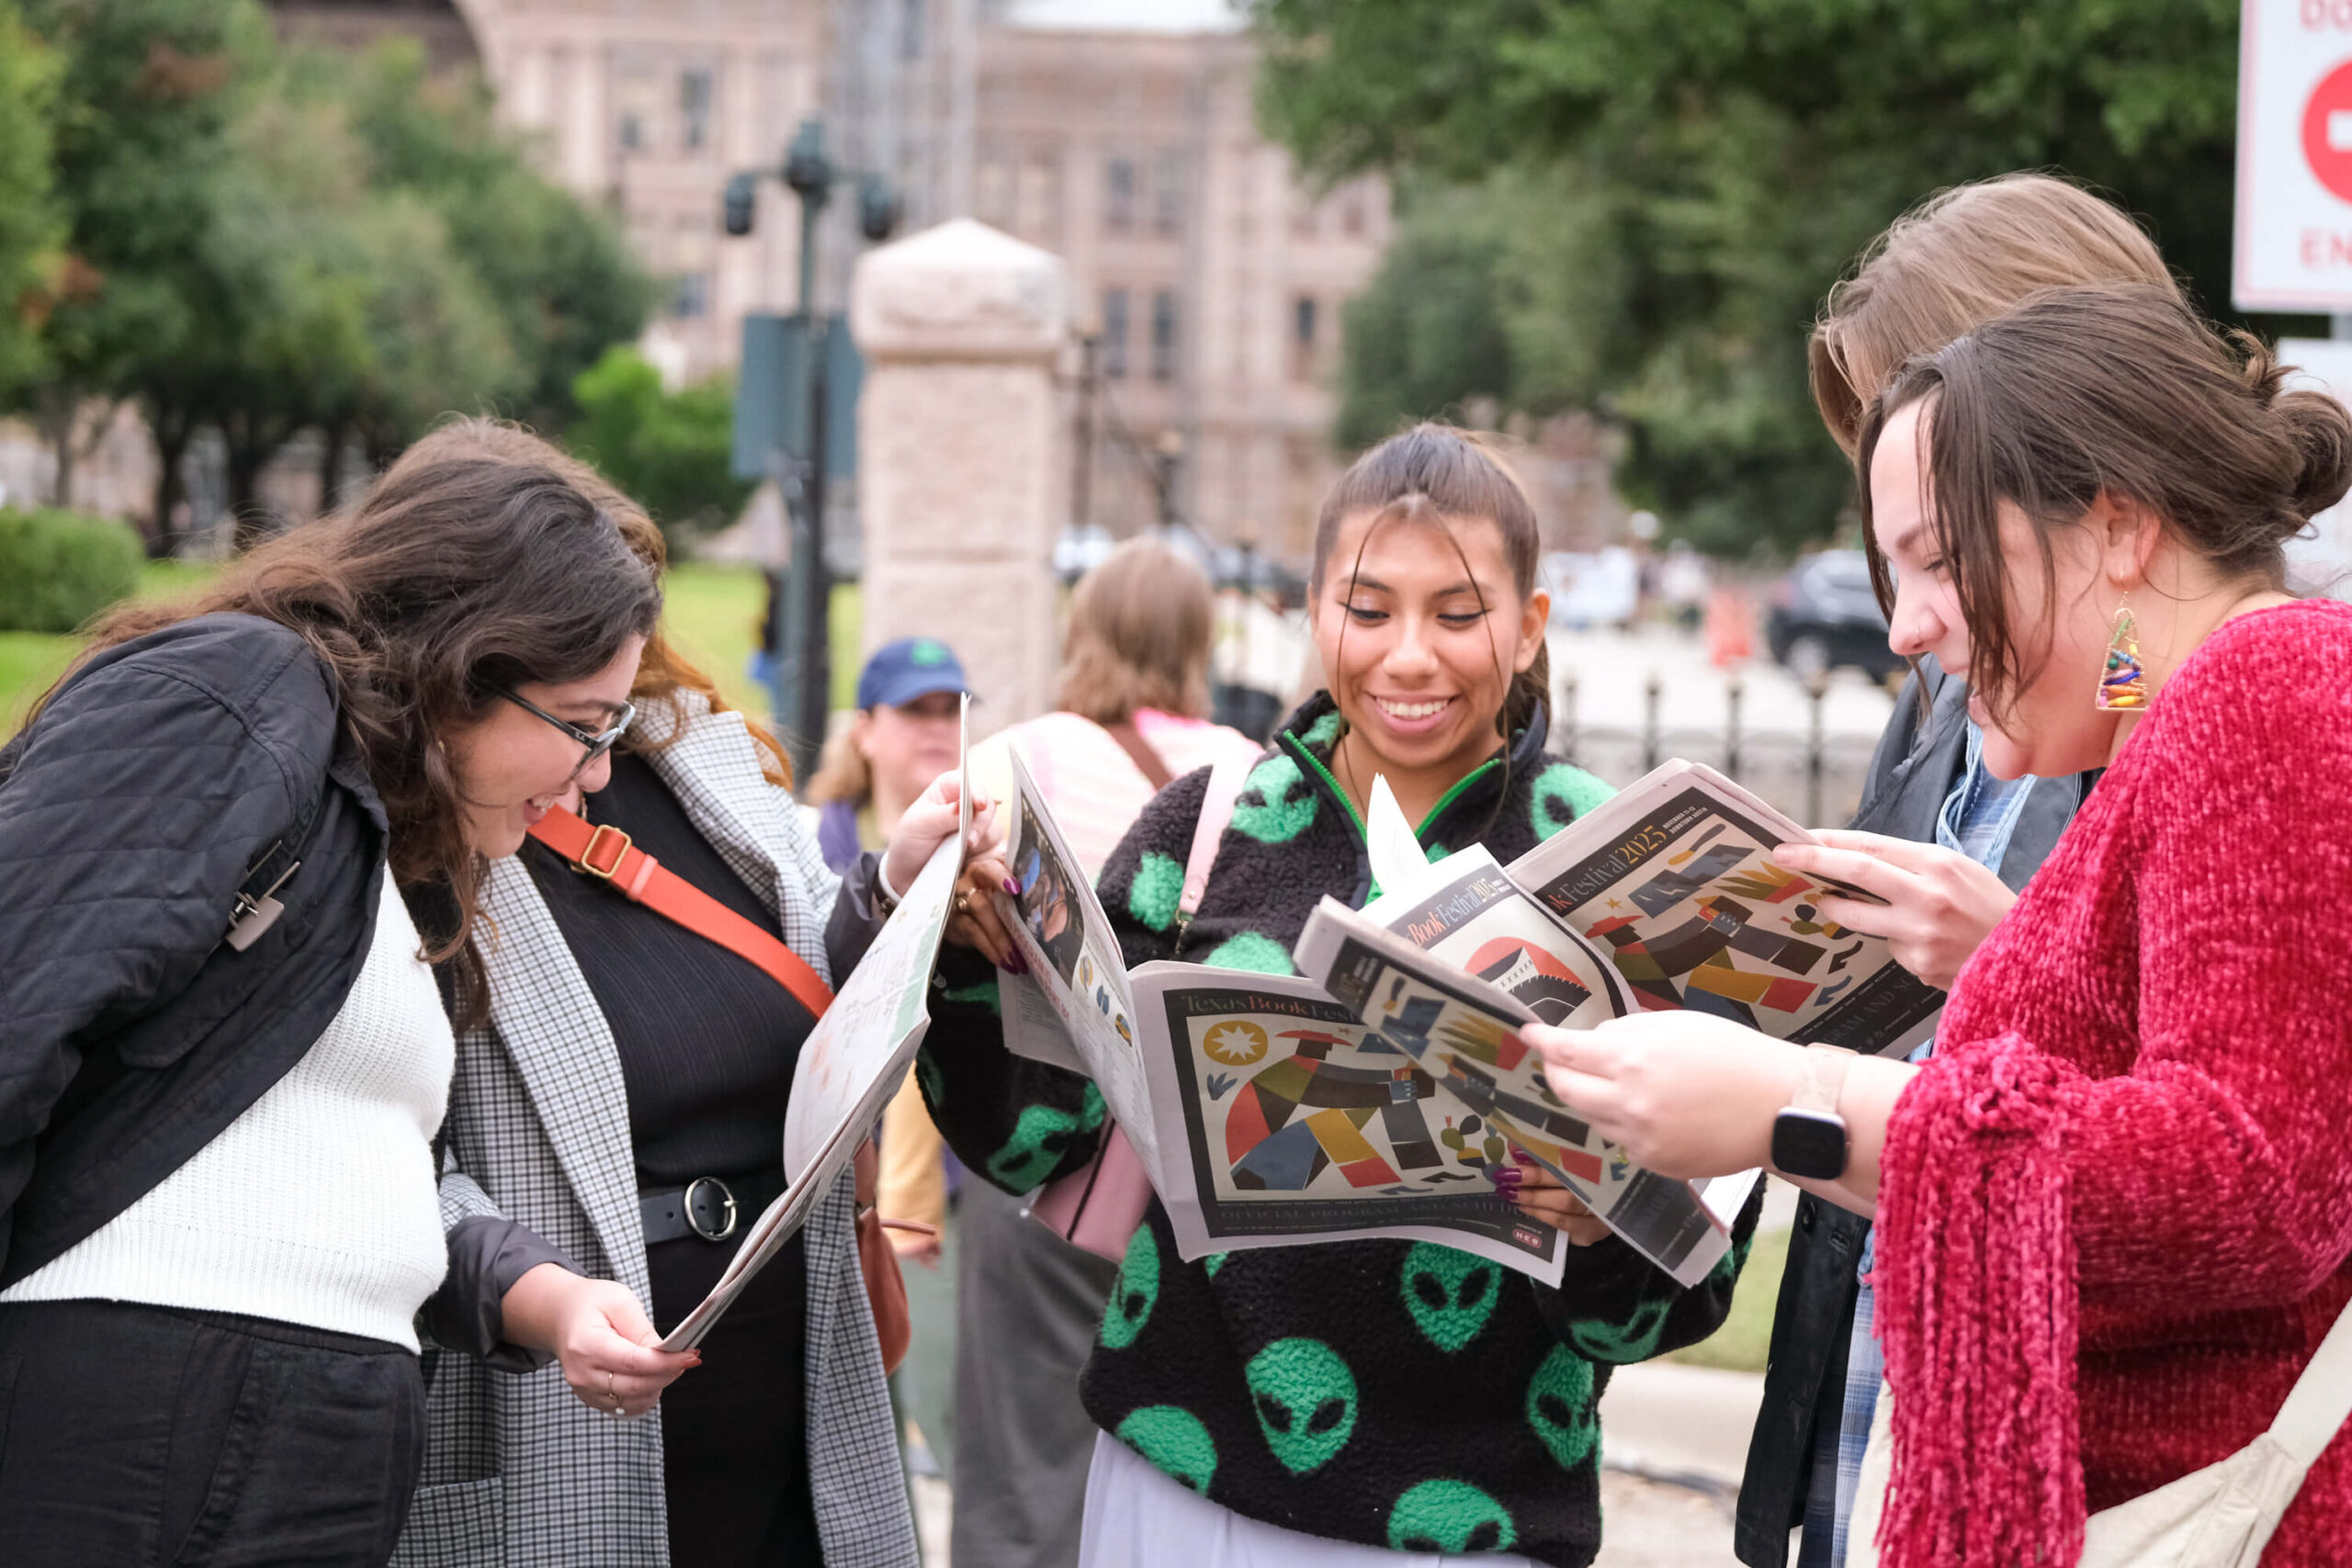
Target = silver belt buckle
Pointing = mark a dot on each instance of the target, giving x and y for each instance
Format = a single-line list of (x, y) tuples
[(727, 1200)]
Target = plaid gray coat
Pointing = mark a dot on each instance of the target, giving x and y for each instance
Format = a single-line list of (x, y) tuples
[(517, 1470)]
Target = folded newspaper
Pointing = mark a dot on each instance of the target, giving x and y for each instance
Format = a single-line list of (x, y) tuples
[(850, 1066), (1377, 1093)]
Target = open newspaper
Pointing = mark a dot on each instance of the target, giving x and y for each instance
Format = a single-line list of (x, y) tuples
[(1375, 1095), (850, 1065)]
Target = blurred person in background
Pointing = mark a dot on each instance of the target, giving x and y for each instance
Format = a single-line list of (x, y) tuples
[(1938, 835), (1130, 717)]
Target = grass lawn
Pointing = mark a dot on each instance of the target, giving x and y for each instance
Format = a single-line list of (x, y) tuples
[(1740, 1343), (713, 614)]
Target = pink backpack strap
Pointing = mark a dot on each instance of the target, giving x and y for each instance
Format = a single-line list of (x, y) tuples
[(1227, 778)]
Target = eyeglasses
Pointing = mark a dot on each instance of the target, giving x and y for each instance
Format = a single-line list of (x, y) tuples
[(597, 742)]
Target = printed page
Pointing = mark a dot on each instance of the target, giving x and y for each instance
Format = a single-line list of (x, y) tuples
[(1674, 880), (850, 1067), (1076, 968), (1284, 1121), (1464, 1034), (1481, 922)]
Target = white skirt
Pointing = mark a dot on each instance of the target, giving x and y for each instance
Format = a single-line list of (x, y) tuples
[(1139, 1518)]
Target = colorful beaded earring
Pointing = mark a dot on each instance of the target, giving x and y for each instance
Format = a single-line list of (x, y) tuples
[(2123, 682)]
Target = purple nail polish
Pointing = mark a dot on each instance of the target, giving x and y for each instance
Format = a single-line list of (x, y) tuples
[(1521, 1156), (1013, 888)]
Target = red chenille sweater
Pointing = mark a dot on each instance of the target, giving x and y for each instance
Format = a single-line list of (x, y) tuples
[(2117, 1206)]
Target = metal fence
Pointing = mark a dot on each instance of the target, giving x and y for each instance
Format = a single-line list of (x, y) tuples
[(1809, 774)]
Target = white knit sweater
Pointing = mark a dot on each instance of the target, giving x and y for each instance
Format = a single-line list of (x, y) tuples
[(318, 1205)]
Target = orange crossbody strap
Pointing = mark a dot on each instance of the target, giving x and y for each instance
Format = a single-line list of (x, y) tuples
[(606, 853)]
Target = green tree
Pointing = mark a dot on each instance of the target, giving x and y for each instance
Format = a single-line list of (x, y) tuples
[(555, 269), (668, 450), (30, 225), (145, 99), (1682, 184), (1428, 332)]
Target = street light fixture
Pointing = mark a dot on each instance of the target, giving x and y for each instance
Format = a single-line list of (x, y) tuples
[(801, 693)]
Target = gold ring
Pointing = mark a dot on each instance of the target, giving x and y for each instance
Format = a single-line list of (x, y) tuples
[(611, 1393), (963, 901)]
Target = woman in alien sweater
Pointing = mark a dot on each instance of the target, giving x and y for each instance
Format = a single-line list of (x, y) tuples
[(1341, 1402)]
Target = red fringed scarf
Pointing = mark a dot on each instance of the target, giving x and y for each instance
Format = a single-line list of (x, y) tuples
[(1977, 1311)]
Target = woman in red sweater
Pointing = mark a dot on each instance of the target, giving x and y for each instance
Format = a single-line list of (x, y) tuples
[(2115, 1211)]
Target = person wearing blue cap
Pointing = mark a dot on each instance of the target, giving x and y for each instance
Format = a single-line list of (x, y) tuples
[(902, 738)]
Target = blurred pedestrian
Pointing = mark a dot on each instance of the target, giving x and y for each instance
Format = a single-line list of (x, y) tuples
[(1942, 270), (2115, 1208), (222, 1055), (1420, 1428), (1131, 716), (614, 1128)]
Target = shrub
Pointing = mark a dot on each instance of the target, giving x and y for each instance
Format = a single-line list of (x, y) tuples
[(59, 569)]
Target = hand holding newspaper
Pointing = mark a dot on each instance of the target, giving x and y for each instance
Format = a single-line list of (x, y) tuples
[(850, 1064), (1378, 1092)]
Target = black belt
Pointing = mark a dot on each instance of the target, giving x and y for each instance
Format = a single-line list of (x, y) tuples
[(708, 1206)]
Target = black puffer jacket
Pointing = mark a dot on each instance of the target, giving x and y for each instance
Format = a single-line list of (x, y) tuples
[(132, 812), (1384, 1393)]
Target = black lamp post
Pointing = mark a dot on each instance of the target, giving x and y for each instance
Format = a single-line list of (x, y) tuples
[(805, 648)]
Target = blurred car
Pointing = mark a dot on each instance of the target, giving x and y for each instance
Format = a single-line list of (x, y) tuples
[(1824, 616), (1603, 589)]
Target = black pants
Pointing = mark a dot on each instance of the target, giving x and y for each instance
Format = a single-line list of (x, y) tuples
[(735, 1431), (137, 1435)]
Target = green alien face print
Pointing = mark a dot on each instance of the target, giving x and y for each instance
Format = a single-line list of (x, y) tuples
[(1157, 889), (1560, 1407), (1133, 1292), (1450, 1516), (1175, 1442), (1635, 1339), (1278, 803), (1306, 1400), (1449, 1293), (1040, 1137), (1562, 794)]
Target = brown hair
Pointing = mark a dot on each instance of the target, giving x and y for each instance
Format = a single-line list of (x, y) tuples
[(2120, 390), (458, 576), (664, 671), (1139, 638), (1955, 261), (841, 773)]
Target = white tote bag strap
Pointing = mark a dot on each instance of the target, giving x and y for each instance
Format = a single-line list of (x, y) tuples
[(2321, 1401)]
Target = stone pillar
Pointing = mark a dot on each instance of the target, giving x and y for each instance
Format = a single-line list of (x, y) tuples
[(963, 475)]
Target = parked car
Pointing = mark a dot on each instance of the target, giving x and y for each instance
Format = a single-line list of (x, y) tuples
[(1824, 616)]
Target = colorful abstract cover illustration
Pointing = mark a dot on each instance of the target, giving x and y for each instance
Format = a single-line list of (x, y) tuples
[(1301, 1124)]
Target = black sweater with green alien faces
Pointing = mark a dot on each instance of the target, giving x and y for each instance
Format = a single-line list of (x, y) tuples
[(1392, 1394)]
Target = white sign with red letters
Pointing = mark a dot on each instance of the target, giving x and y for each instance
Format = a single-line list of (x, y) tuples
[(2294, 187)]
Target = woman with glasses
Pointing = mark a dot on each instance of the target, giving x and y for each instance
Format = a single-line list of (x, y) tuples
[(615, 1127), (223, 1054)]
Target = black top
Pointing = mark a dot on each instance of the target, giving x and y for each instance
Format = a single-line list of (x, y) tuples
[(708, 1042)]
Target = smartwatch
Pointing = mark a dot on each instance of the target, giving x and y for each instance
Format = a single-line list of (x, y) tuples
[(1809, 1136)]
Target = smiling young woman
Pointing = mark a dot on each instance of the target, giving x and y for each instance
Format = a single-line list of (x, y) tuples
[(1455, 1405), (2115, 1209)]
